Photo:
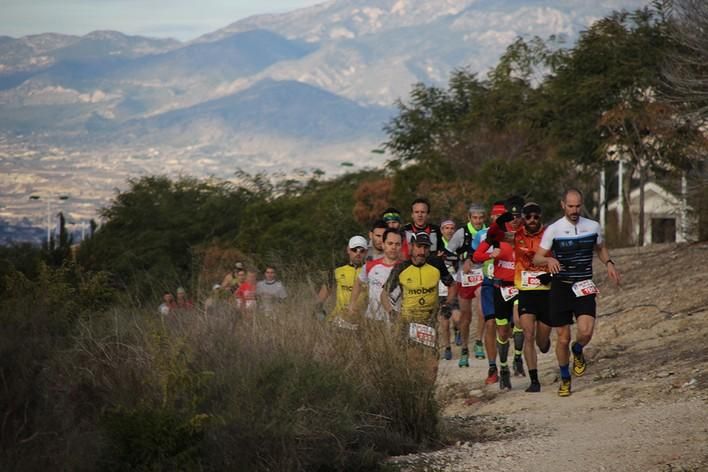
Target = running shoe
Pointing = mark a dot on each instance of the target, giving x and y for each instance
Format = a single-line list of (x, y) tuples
[(564, 389), (447, 355), (519, 367), (504, 379), (478, 350), (534, 387), (579, 363), (458, 337), (492, 376), (464, 358)]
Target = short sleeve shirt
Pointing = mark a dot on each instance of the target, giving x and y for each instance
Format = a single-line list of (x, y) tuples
[(374, 275), (573, 245)]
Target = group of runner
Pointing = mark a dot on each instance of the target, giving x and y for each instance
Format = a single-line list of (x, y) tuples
[(523, 278)]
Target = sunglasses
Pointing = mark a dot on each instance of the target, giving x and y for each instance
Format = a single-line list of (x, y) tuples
[(532, 216), (359, 249)]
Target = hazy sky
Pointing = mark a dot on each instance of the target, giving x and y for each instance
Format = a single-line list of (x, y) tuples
[(181, 19)]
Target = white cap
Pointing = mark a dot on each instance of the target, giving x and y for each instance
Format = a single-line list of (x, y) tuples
[(358, 241)]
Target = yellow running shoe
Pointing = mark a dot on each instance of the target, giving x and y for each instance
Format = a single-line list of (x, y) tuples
[(579, 364), (564, 389)]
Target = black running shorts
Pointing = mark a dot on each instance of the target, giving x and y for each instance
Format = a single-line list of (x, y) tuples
[(535, 302), (503, 310), (565, 306)]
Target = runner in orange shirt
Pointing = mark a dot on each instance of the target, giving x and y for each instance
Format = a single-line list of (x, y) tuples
[(533, 294)]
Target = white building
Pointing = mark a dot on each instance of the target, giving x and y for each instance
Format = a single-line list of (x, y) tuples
[(665, 220)]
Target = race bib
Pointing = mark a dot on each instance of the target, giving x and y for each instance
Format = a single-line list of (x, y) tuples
[(508, 293), (529, 279), (472, 278), (422, 334), (584, 288)]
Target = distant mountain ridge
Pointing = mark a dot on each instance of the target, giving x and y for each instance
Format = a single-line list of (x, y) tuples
[(308, 88), (285, 108)]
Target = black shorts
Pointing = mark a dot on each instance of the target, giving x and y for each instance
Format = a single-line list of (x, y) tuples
[(565, 306), (503, 310), (535, 302)]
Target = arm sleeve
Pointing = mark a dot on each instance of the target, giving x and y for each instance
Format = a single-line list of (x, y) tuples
[(456, 241), (480, 254), (445, 276), (547, 239), (598, 230)]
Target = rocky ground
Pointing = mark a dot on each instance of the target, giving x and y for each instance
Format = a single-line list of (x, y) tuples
[(642, 405)]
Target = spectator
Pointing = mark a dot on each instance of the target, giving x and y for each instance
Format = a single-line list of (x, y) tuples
[(168, 304), (246, 294), (183, 302), (270, 291), (234, 278)]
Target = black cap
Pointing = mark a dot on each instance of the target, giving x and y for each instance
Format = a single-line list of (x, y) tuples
[(421, 238), (514, 204), (531, 207)]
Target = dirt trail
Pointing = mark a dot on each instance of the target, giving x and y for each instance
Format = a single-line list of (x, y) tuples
[(642, 404)]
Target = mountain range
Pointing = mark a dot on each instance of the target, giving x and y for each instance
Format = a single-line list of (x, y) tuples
[(311, 88)]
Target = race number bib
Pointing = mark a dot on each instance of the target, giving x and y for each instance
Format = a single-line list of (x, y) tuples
[(422, 334), (472, 278), (508, 293), (584, 287), (529, 279)]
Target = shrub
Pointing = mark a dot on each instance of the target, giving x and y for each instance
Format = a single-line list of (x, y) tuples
[(210, 391)]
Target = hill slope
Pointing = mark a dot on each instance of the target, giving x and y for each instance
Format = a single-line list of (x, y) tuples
[(640, 406)]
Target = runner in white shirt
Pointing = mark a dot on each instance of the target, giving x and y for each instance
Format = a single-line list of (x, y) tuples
[(375, 274), (573, 239)]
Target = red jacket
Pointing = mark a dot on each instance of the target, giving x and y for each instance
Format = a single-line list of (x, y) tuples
[(504, 263)]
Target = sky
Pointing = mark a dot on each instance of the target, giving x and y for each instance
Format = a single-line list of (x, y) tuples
[(180, 19)]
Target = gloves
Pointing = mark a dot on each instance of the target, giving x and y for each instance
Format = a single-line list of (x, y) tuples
[(445, 311), (545, 278), (494, 234)]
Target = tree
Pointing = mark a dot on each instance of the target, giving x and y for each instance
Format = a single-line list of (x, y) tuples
[(604, 98), (151, 229), (686, 67)]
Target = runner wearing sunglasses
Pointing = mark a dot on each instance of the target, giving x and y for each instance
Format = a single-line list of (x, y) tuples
[(533, 294), (344, 277)]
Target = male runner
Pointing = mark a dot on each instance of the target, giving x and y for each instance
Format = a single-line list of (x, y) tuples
[(375, 274), (573, 239), (461, 244), (414, 285), (344, 277), (392, 217), (487, 295), (376, 240), (447, 228), (533, 294), (420, 210), (500, 236)]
